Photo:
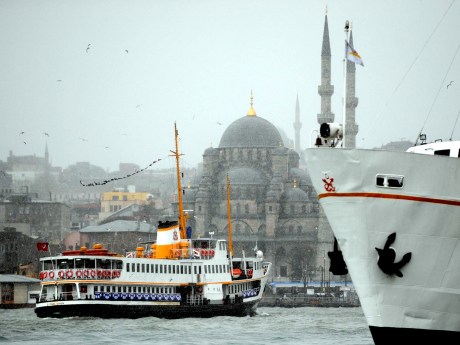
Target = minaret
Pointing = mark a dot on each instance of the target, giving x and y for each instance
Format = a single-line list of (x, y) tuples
[(351, 128), (326, 90), (297, 126)]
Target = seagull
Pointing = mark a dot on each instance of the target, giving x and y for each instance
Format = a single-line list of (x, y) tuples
[(106, 147), (219, 123), (59, 80), (46, 134), (87, 48), (126, 50), (21, 133), (449, 84), (137, 106), (83, 139), (24, 142)]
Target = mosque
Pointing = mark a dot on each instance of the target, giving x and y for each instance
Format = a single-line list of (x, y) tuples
[(273, 204)]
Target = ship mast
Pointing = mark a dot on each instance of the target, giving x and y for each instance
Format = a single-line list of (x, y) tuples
[(229, 220), (179, 187)]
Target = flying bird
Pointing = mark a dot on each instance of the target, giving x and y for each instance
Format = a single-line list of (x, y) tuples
[(449, 84), (219, 123), (87, 48), (46, 134), (137, 106), (126, 50), (83, 139), (24, 142), (21, 133), (59, 80)]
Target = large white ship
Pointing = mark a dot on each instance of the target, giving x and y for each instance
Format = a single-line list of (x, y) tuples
[(396, 217)]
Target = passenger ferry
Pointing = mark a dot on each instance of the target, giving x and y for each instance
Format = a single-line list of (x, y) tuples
[(173, 277)]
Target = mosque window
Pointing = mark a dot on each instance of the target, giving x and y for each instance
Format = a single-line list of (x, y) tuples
[(291, 229)]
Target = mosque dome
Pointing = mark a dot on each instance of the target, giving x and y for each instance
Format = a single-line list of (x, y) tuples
[(211, 151), (244, 175), (251, 131), (294, 195)]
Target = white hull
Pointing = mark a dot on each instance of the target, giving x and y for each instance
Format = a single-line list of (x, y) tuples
[(425, 215)]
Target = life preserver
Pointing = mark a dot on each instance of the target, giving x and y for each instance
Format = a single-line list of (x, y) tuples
[(40, 275), (86, 273), (93, 273), (79, 273), (51, 275), (45, 274), (200, 289), (204, 252), (211, 252), (69, 274), (61, 274)]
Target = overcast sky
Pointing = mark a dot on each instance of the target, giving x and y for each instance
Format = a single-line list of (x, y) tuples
[(107, 79)]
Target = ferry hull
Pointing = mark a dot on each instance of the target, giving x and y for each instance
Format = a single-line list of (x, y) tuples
[(424, 215), (109, 310)]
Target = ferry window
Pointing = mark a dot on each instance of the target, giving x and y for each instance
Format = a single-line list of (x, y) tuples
[(182, 270), (90, 263), (119, 289), (174, 269), (79, 263), (138, 268), (124, 288), (129, 289), (133, 266), (199, 269), (169, 269), (206, 269), (148, 268), (442, 152), (143, 267), (164, 268), (127, 267)]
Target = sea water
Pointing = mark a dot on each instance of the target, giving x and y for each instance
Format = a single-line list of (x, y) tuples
[(303, 325)]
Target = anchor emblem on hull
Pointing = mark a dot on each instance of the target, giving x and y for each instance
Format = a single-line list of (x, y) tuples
[(387, 255), (328, 183)]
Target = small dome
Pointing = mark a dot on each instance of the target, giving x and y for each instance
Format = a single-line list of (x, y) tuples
[(251, 131), (294, 195), (243, 176), (211, 151)]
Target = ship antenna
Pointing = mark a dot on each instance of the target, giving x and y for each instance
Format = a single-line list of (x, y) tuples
[(229, 220), (179, 187)]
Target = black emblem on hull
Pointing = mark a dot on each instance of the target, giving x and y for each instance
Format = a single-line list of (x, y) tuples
[(387, 257), (338, 265)]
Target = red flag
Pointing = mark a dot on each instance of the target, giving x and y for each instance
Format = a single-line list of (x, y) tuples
[(42, 246)]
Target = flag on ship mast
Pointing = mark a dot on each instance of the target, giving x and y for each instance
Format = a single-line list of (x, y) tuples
[(352, 55), (42, 246)]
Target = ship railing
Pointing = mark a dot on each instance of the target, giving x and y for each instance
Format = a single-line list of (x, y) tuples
[(195, 300)]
